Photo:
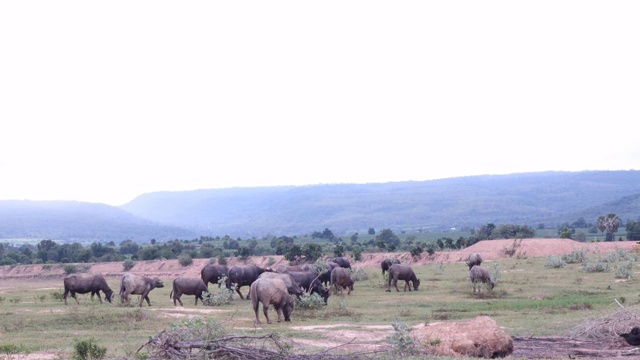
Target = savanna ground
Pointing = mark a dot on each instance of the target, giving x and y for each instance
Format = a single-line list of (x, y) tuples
[(550, 313)]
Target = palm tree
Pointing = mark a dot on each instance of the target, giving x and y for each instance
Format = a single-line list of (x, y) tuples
[(610, 224)]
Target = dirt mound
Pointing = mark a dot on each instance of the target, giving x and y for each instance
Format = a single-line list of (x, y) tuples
[(488, 249)]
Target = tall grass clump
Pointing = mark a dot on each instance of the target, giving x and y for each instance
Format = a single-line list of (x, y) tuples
[(358, 275), (185, 260), (310, 302), (401, 340)]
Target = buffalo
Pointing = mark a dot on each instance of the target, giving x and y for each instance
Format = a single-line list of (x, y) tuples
[(138, 285), (386, 264), (342, 262), (632, 337), (188, 286), (474, 259), (86, 283), (402, 272), (293, 288), (478, 274), (309, 280), (340, 280), (213, 273), (244, 275), (271, 291)]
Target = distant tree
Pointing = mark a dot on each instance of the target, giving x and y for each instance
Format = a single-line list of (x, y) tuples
[(580, 236), (294, 253), (633, 230), (610, 224), (540, 226), (338, 250), (565, 233), (416, 251), (390, 240), (129, 247), (354, 238), (580, 223), (311, 251), (244, 252), (371, 231)]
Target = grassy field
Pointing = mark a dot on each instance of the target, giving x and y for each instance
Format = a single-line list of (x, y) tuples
[(529, 300)]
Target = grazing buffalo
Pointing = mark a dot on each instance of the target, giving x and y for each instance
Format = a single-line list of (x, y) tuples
[(301, 267), (386, 264), (474, 259), (342, 262), (213, 273), (86, 283), (293, 288), (402, 272), (244, 275), (138, 285), (187, 286), (340, 280), (271, 291), (478, 274), (309, 280)]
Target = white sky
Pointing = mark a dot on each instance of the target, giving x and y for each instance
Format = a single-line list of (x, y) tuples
[(104, 101)]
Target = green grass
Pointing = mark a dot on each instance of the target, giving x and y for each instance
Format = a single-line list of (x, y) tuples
[(529, 300)]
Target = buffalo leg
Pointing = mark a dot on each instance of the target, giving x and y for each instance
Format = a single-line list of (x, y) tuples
[(177, 297), (265, 310), (395, 283), (255, 310), (279, 310), (66, 292)]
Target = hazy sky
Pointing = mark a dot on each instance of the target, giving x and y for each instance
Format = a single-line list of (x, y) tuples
[(104, 101)]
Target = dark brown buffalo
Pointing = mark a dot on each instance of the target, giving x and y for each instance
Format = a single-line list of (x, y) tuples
[(478, 274), (342, 262), (213, 273), (309, 280), (386, 264), (271, 291), (340, 280), (86, 283), (292, 285), (138, 285), (402, 272), (244, 275), (187, 286), (474, 259)]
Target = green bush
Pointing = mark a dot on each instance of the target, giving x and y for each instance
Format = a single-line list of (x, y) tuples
[(310, 302), (358, 274), (402, 342), (597, 266), (223, 296), (128, 265), (57, 295), (185, 260), (88, 350), (70, 269)]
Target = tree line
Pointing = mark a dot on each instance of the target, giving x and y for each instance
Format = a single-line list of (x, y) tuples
[(292, 248)]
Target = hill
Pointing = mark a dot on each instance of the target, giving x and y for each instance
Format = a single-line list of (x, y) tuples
[(78, 221), (436, 205), (550, 198)]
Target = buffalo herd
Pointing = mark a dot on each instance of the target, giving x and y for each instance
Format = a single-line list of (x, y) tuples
[(266, 285)]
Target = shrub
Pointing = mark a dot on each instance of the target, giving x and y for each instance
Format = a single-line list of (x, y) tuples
[(575, 257), (402, 342), (128, 264), (555, 262), (222, 260), (625, 270), (590, 266), (310, 302), (358, 274), (223, 296), (88, 350), (70, 269), (185, 260)]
